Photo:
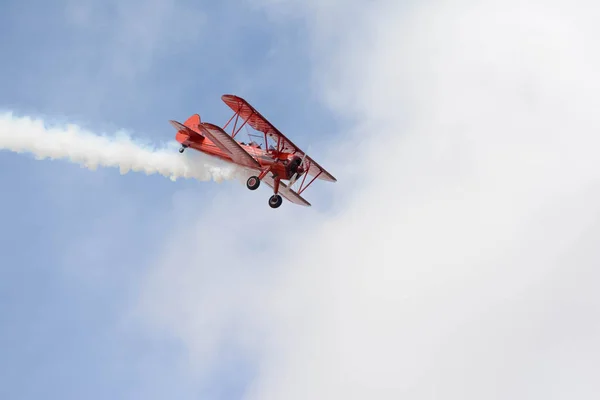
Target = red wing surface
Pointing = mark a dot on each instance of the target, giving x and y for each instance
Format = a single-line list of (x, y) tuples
[(228, 145), (286, 192)]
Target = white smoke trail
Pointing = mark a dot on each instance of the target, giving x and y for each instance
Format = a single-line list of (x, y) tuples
[(75, 144)]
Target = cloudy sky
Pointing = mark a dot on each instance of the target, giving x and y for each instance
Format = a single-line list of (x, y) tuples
[(456, 258)]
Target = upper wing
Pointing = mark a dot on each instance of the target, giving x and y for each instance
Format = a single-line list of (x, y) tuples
[(226, 143), (286, 192), (315, 169), (260, 123)]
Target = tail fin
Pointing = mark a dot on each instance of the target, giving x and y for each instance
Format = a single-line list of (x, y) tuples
[(189, 131), (193, 122)]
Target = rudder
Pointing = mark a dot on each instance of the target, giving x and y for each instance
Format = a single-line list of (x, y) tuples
[(193, 122), (189, 131)]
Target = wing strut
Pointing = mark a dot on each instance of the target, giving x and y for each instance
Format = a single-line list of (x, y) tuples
[(302, 189), (237, 117)]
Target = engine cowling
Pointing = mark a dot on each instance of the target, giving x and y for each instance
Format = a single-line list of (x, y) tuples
[(295, 167)]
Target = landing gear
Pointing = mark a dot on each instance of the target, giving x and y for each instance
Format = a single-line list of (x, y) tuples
[(275, 201), (253, 183), (182, 149)]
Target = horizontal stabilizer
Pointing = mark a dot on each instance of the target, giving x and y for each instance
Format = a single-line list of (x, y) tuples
[(185, 129)]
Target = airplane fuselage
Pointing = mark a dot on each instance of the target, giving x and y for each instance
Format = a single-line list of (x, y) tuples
[(277, 162)]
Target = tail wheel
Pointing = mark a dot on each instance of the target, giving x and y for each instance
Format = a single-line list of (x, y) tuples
[(253, 183), (275, 201)]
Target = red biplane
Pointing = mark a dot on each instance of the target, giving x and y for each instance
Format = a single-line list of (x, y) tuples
[(279, 160)]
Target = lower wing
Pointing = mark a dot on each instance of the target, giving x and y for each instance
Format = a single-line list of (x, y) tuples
[(287, 192), (226, 143)]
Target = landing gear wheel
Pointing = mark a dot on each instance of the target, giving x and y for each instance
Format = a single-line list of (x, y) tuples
[(181, 150), (253, 183), (275, 201)]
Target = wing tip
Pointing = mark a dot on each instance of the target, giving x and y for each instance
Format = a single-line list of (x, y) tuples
[(229, 96)]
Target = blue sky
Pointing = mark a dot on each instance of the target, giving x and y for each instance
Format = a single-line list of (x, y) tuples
[(75, 241), (455, 255)]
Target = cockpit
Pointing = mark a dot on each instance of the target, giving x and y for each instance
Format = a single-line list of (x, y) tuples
[(252, 144)]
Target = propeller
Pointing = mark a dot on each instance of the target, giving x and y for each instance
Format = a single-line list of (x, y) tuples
[(299, 172)]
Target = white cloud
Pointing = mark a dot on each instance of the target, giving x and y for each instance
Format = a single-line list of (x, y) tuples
[(463, 264)]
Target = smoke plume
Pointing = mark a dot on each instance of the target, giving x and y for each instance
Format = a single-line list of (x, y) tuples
[(75, 144)]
